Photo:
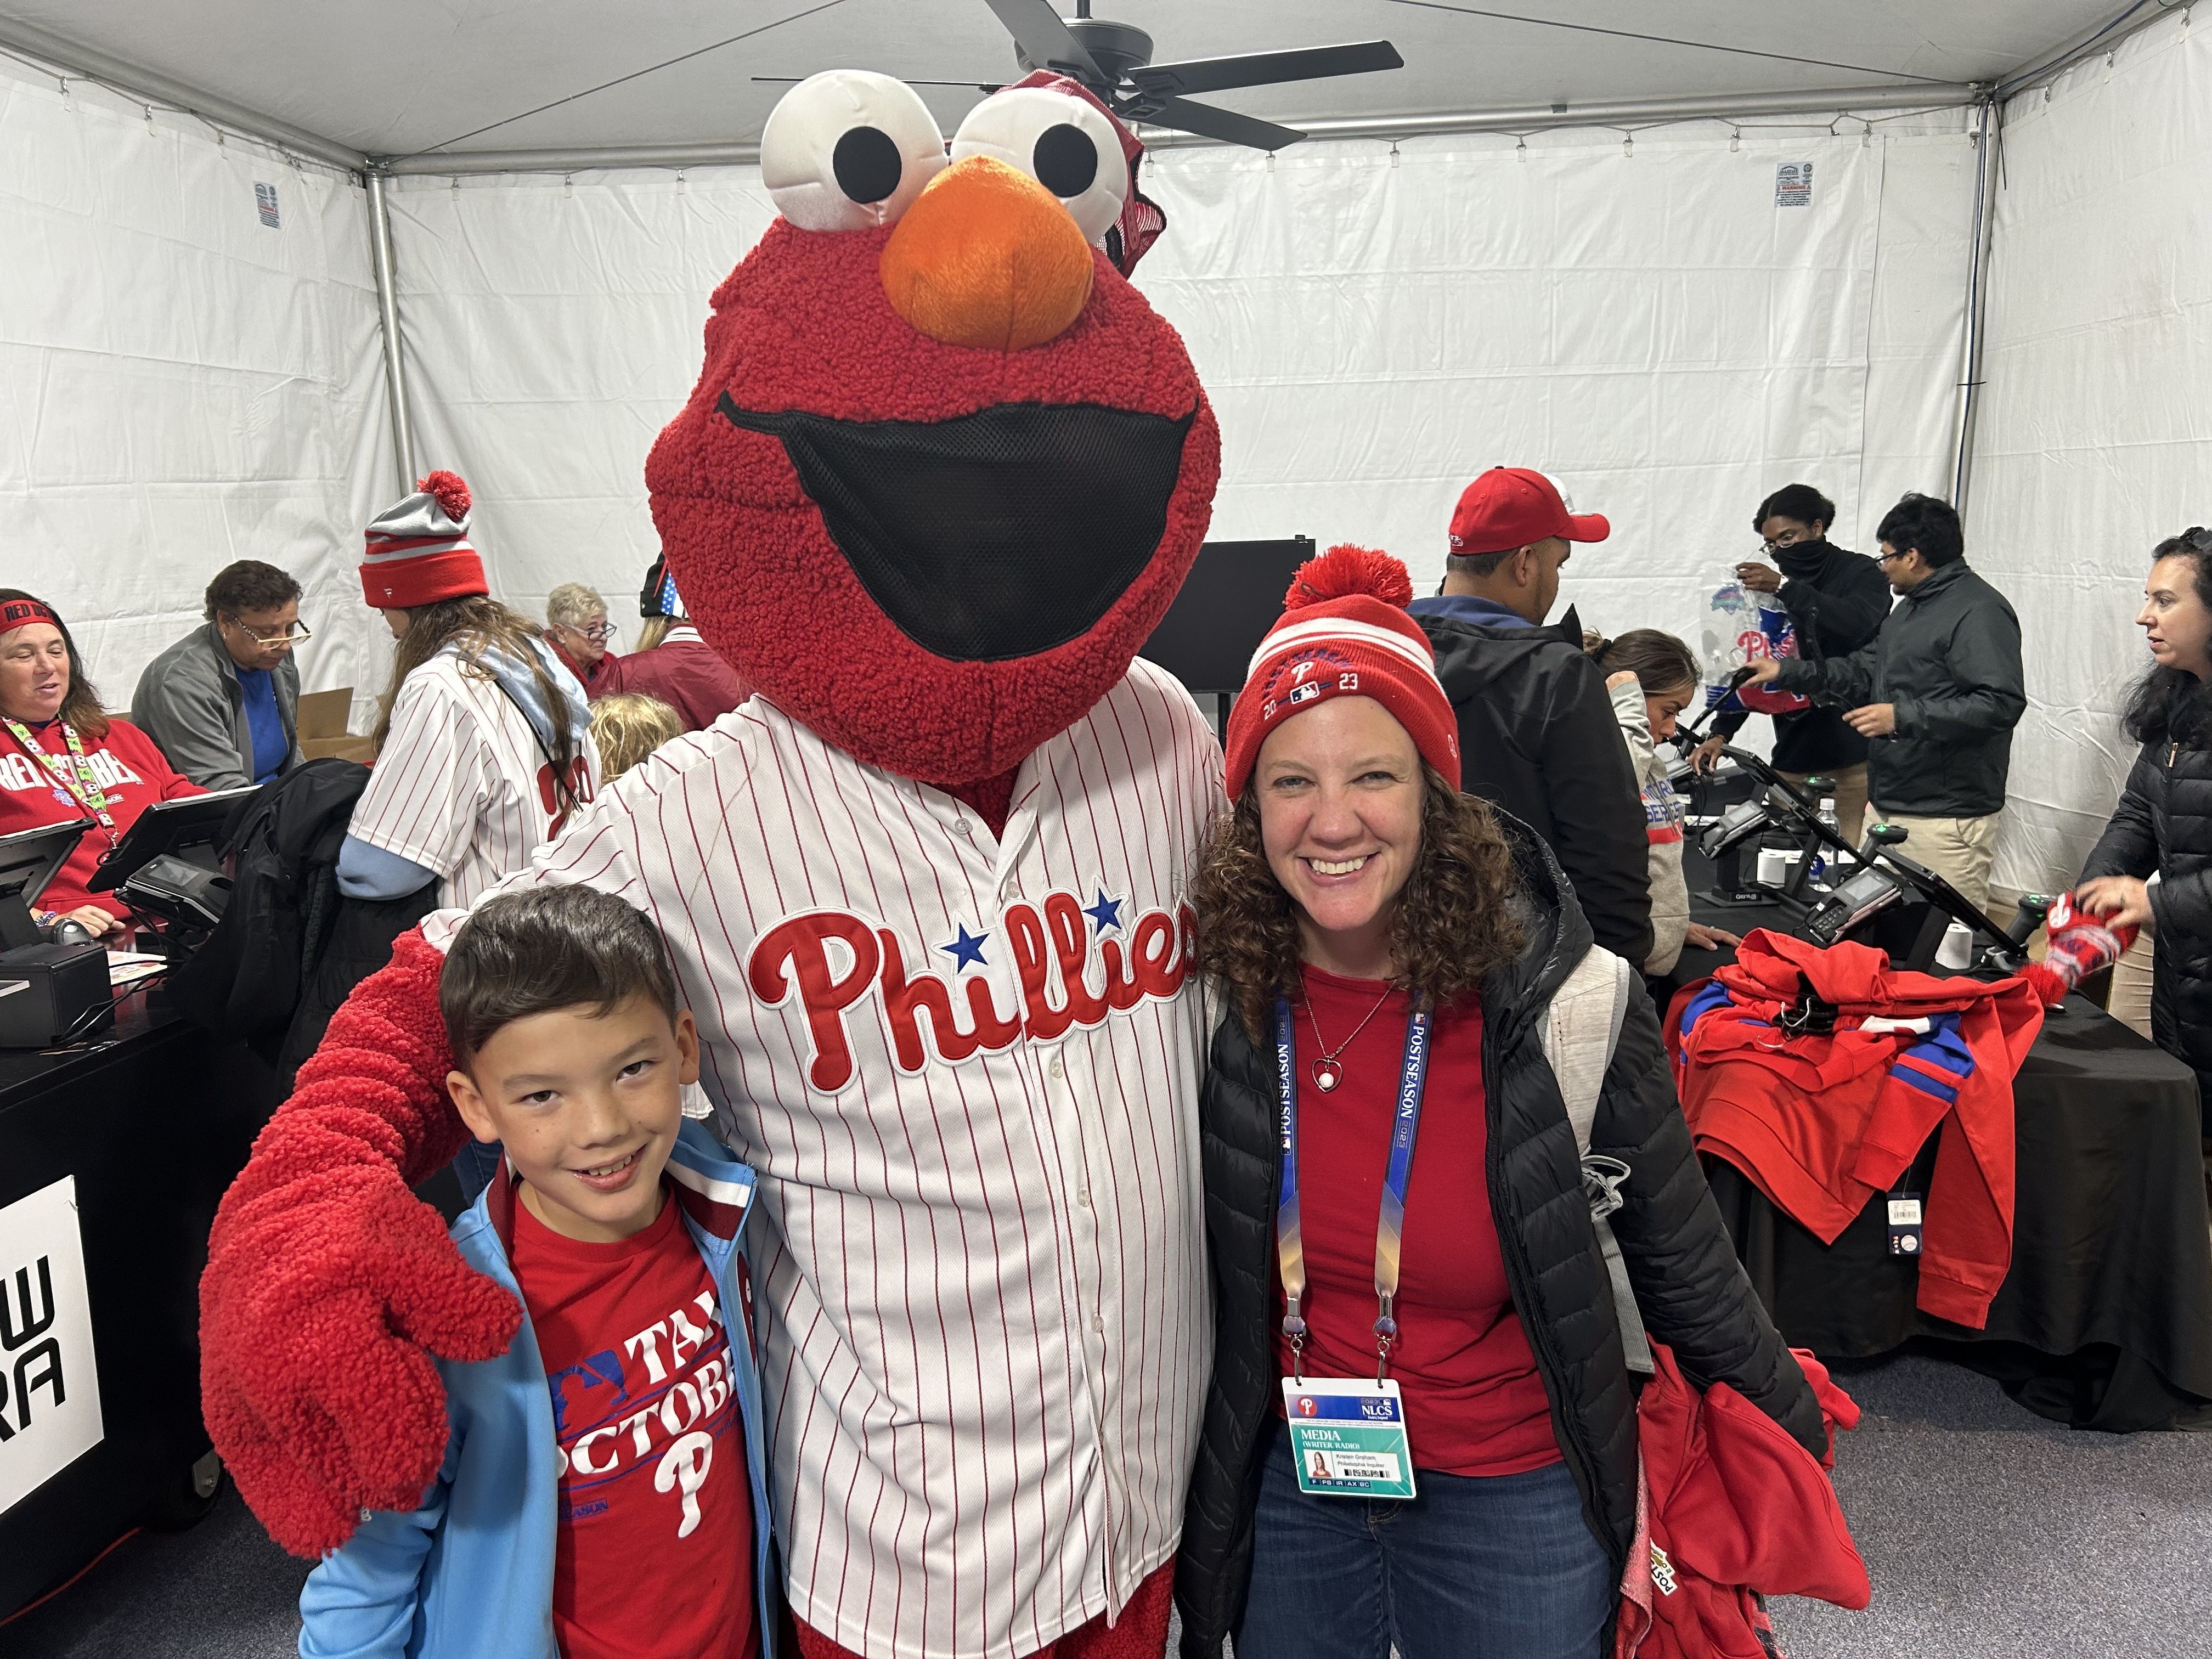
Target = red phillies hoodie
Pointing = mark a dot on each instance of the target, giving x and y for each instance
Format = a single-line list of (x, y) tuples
[(1822, 1121), (1734, 1510)]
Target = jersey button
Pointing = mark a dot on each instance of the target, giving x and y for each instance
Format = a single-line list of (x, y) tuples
[(965, 829), (1083, 1197), (1059, 1068)]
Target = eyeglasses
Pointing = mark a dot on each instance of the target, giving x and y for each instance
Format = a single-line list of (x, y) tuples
[(289, 638), (1787, 538), (1885, 556), (599, 633)]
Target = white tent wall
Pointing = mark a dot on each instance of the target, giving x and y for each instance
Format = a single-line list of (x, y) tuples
[(184, 386), (2094, 441), (1651, 327)]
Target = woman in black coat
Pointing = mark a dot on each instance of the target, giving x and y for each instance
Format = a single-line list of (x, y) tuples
[(1352, 875), (2152, 865)]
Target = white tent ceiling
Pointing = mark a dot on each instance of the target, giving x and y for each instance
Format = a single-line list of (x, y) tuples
[(406, 76)]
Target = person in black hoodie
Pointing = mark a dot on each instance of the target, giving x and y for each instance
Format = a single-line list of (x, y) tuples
[(1389, 949), (1537, 734), (1836, 599), (2152, 867)]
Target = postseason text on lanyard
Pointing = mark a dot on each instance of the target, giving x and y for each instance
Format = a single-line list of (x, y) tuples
[(84, 790), (1348, 1438)]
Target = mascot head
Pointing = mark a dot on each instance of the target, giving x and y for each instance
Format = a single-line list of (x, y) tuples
[(945, 469)]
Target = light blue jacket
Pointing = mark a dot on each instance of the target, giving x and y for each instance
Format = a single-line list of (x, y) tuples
[(470, 1574)]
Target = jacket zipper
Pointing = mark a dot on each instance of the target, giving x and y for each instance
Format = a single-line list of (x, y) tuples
[(1518, 1279)]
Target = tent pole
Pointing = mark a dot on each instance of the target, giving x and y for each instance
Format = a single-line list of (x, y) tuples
[(1988, 136), (388, 313)]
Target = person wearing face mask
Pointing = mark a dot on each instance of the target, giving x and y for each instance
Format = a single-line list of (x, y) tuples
[(1836, 601), (1652, 678), (1534, 722), (62, 759), (1937, 692), (2152, 868), (1387, 950)]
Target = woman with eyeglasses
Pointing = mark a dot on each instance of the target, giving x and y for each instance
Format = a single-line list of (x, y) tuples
[(223, 700), (577, 629), (62, 760), (2152, 865)]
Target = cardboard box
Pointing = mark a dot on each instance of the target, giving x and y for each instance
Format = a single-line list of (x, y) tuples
[(322, 726)]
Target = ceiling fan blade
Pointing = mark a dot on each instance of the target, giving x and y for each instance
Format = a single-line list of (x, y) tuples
[(1044, 39), (1226, 124), (1264, 68), (986, 88)]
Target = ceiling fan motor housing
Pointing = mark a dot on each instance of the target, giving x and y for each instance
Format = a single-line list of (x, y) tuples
[(1116, 48)]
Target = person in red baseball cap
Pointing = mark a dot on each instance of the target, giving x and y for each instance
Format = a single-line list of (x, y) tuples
[(1395, 959), (1536, 730)]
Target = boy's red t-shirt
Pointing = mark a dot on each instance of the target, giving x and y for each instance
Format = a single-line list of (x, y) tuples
[(655, 1548), (1475, 1402)]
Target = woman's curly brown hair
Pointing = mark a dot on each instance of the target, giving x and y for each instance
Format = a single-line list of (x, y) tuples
[(1457, 917)]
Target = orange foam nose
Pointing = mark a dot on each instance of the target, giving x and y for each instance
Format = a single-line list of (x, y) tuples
[(987, 257)]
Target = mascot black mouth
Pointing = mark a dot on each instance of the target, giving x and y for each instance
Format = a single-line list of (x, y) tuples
[(990, 536)]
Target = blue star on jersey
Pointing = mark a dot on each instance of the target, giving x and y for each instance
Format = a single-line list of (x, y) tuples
[(1107, 913), (967, 949)]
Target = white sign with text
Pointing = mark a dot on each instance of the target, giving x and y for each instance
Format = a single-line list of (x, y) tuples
[(49, 1393)]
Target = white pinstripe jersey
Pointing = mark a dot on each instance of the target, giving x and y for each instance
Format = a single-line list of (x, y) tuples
[(966, 1072), (463, 785)]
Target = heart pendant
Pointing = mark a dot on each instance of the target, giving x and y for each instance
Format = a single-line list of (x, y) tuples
[(1326, 1075)]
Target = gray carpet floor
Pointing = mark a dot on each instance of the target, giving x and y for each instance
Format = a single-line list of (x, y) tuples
[(1986, 1530)]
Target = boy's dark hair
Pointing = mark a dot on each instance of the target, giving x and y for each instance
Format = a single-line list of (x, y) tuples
[(1800, 501), (529, 952), (1924, 523), (249, 584)]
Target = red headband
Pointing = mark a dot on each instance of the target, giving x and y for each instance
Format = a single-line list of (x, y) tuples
[(16, 613)]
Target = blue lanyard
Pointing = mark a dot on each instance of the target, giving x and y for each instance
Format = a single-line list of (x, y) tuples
[(1389, 1224)]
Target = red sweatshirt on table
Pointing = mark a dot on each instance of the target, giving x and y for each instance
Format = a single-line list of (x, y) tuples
[(1822, 1122), (132, 772)]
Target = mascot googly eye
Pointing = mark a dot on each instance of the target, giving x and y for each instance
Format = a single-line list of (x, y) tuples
[(1062, 142), (849, 149)]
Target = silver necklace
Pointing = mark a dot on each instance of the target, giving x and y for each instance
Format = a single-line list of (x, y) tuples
[(1327, 1073)]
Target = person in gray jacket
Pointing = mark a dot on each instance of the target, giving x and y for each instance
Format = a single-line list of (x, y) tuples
[(1937, 694), (222, 703)]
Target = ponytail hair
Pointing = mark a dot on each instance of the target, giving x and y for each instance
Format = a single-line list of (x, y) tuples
[(1660, 662)]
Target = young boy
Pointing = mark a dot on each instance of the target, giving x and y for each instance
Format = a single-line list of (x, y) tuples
[(602, 1495)]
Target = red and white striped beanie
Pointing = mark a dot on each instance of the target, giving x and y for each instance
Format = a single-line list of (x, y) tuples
[(419, 548), (1344, 632)]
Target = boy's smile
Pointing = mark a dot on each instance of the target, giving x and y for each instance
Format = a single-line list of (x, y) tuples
[(587, 1105)]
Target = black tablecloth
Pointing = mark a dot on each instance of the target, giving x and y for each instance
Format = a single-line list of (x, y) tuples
[(2105, 1319)]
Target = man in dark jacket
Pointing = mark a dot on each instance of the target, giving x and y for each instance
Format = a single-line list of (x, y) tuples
[(1937, 694), (1689, 1285), (1537, 734), (1836, 601)]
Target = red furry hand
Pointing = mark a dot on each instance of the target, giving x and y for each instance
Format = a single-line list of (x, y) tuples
[(328, 1280)]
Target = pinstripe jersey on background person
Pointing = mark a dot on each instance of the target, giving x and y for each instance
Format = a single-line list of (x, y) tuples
[(463, 786), (967, 1073)]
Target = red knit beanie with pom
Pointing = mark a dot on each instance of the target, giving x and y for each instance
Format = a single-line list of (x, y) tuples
[(1345, 633), (419, 548)]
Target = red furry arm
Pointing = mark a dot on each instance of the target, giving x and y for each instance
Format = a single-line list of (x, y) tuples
[(327, 1278)]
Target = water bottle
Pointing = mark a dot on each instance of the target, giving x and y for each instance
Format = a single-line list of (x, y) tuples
[(1834, 826)]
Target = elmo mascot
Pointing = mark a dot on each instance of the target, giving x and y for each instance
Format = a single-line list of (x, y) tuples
[(943, 473)]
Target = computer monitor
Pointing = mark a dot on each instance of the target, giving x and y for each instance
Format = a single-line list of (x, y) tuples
[(168, 826), (1232, 597), (29, 859)]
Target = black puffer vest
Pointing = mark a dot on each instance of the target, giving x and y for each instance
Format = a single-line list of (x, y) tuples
[(2164, 825), (1688, 1284)]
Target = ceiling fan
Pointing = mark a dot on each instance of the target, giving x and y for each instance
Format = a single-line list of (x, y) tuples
[(1114, 61)]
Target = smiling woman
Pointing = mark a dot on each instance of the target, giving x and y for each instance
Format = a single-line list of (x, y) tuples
[(61, 759), (1380, 1100)]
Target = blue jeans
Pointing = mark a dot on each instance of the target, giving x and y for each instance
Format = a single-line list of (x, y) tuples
[(1497, 1567)]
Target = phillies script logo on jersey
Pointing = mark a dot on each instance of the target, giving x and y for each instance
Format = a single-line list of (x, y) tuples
[(1077, 963)]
